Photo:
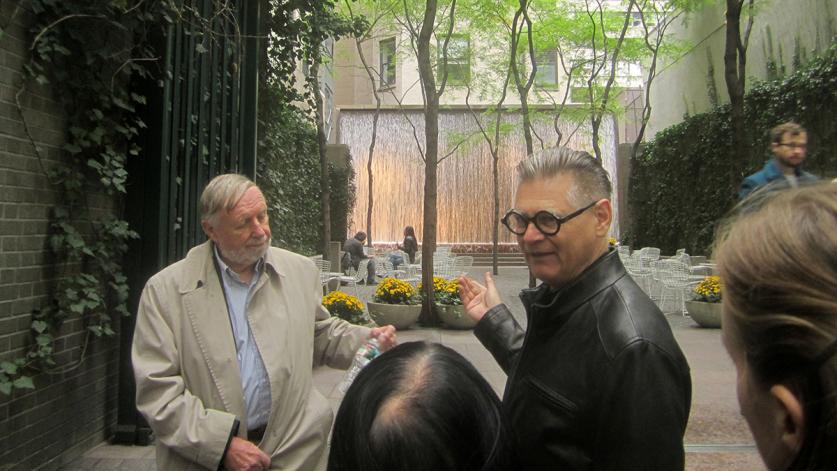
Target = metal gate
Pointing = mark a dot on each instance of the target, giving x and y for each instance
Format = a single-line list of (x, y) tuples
[(208, 113), (201, 118)]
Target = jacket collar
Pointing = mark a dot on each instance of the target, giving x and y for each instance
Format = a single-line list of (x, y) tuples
[(773, 172), (602, 273), (200, 266)]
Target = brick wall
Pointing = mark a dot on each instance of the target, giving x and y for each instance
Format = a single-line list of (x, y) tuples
[(71, 411)]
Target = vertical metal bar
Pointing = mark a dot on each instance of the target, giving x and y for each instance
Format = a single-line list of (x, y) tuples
[(165, 210), (175, 150), (212, 93), (225, 109), (250, 87), (235, 106), (189, 134)]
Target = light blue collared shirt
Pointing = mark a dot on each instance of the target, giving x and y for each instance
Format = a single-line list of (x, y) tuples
[(254, 379)]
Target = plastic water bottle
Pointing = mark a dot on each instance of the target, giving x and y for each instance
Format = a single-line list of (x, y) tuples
[(364, 355)]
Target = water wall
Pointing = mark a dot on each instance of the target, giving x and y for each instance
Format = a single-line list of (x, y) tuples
[(465, 181)]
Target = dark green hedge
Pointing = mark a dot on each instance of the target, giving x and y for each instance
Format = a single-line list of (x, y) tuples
[(289, 175), (685, 180)]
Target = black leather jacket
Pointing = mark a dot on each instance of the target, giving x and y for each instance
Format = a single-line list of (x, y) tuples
[(597, 381)]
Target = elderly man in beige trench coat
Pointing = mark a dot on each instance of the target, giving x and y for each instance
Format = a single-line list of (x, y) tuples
[(225, 343)]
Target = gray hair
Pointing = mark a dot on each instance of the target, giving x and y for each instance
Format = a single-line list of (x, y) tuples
[(591, 181), (223, 192)]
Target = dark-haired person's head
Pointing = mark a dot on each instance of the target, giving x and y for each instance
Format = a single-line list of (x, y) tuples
[(419, 407), (789, 143), (409, 231), (360, 235), (562, 213), (778, 265)]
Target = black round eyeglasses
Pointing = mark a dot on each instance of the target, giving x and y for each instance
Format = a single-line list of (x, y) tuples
[(545, 221)]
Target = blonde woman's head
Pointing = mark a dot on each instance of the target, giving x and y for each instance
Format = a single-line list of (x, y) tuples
[(778, 264)]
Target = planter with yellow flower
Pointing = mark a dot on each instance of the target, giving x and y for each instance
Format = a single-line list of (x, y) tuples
[(395, 303), (705, 306), (449, 306), (346, 307)]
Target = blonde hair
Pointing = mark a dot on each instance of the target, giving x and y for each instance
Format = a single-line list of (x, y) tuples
[(223, 192), (778, 265)]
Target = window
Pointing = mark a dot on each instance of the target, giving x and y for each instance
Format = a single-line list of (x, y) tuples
[(547, 74), (386, 62), (459, 59)]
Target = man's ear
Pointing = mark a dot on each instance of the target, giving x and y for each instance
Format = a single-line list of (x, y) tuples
[(208, 229), (604, 215), (790, 417)]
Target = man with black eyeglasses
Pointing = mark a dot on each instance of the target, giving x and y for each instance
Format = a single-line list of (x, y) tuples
[(789, 144), (597, 380)]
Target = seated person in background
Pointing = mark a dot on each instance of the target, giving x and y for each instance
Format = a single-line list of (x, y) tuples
[(779, 269), (396, 258), (420, 406), (410, 244), (354, 248)]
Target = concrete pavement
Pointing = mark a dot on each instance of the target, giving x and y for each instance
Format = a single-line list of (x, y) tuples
[(717, 437)]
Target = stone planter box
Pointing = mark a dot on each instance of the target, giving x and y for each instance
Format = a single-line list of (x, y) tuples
[(400, 316), (705, 314), (455, 317)]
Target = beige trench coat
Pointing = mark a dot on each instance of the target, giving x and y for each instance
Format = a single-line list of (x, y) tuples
[(188, 381)]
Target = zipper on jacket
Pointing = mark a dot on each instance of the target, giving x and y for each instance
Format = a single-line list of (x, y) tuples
[(554, 397)]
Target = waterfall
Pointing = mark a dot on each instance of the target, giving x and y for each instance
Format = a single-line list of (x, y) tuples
[(465, 190)]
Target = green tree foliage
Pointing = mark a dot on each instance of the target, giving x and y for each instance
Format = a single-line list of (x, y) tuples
[(287, 160), (289, 175), (685, 181)]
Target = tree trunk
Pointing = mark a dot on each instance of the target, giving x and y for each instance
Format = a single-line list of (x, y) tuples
[(734, 70), (431, 149), (495, 171), (596, 120), (371, 195)]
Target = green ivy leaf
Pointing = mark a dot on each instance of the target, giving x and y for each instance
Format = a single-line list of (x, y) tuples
[(43, 340), (24, 382), (39, 326), (6, 387), (8, 368), (72, 148)]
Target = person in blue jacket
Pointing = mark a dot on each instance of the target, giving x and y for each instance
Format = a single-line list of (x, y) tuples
[(789, 144)]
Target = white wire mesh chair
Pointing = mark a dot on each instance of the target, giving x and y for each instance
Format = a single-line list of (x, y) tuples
[(461, 265), (442, 266), (353, 277), (325, 272), (383, 268), (624, 252), (640, 269), (677, 279)]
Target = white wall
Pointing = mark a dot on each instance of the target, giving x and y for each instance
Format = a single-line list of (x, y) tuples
[(682, 85)]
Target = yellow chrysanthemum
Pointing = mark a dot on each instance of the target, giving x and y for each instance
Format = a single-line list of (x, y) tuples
[(708, 290)]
